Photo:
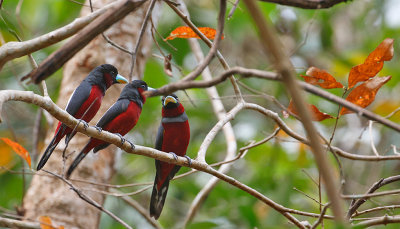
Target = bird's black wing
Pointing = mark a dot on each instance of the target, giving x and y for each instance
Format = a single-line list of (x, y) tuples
[(160, 137), (116, 109), (78, 97)]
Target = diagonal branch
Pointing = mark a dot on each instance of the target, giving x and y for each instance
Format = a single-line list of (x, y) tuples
[(273, 46), (57, 59), (12, 50), (89, 200)]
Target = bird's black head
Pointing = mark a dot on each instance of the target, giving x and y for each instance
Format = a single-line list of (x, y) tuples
[(134, 91), (105, 75), (170, 101), (110, 75)]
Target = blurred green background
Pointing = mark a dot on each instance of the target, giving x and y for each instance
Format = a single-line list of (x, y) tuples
[(334, 39)]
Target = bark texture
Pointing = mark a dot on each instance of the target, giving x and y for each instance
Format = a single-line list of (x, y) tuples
[(50, 196)]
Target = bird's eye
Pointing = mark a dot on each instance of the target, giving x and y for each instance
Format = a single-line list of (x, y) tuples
[(112, 72)]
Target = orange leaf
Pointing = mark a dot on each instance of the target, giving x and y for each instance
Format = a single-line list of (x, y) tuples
[(363, 72), (373, 64), (316, 75), (364, 94), (187, 32), (45, 223), (383, 52), (20, 150), (317, 114)]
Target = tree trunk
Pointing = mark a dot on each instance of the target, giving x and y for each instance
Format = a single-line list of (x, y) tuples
[(48, 195)]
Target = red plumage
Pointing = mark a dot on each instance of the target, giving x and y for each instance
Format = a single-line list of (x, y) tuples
[(173, 136), (84, 103), (121, 124), (120, 118)]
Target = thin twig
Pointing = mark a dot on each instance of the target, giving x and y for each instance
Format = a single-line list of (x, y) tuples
[(320, 219), (372, 189), (235, 5), (89, 200), (372, 139), (140, 36)]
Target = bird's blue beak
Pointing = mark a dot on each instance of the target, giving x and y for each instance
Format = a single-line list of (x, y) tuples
[(150, 89), (121, 79)]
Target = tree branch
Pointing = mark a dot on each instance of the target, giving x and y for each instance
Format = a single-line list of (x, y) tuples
[(386, 219), (246, 73), (274, 47), (57, 59), (307, 4), (12, 223), (12, 50), (373, 188), (89, 200)]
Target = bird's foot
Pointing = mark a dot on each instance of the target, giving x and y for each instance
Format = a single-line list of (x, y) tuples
[(98, 128), (85, 124), (174, 155), (132, 145), (122, 138), (189, 160)]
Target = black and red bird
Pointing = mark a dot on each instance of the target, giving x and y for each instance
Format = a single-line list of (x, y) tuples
[(120, 118), (173, 136), (84, 103)]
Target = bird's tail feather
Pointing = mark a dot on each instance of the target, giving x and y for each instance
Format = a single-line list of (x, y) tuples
[(50, 148), (158, 198), (78, 159)]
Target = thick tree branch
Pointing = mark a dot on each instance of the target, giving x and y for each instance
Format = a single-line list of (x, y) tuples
[(12, 50), (13, 223), (57, 59), (307, 4)]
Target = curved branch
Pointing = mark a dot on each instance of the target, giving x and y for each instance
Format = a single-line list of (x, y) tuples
[(373, 188), (12, 50), (247, 73)]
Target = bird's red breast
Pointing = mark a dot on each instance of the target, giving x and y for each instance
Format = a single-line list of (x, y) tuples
[(121, 124), (176, 138), (87, 111)]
